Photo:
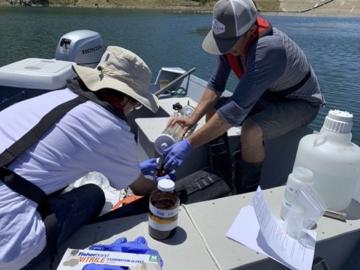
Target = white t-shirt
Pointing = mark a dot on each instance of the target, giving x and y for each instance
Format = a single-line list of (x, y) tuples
[(88, 138)]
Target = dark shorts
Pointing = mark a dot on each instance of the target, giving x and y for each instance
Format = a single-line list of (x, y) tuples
[(278, 116)]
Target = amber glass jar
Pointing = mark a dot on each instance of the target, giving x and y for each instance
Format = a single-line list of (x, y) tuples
[(163, 215)]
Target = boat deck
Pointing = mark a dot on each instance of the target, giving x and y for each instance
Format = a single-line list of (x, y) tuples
[(200, 241)]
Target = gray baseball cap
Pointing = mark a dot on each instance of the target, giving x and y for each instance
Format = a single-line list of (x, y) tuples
[(231, 19)]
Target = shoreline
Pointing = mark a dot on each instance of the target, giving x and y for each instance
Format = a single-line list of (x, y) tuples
[(176, 9), (192, 8)]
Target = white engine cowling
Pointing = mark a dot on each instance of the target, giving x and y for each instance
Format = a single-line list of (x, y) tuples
[(84, 47)]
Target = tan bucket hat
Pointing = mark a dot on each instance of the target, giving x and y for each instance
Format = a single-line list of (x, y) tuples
[(121, 70)]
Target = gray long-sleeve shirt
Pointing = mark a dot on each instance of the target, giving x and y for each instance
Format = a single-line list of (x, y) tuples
[(274, 63)]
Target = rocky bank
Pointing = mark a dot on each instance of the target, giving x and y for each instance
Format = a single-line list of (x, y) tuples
[(297, 7)]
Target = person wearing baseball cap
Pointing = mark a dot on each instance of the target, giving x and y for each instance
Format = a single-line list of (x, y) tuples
[(49, 141), (277, 91)]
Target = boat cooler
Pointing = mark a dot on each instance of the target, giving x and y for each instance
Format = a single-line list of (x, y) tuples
[(31, 77)]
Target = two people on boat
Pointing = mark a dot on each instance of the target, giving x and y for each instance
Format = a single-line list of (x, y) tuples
[(277, 90), (50, 141)]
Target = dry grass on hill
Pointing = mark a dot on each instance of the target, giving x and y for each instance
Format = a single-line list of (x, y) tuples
[(306, 7)]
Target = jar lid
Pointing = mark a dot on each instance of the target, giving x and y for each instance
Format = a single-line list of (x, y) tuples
[(166, 185), (338, 121)]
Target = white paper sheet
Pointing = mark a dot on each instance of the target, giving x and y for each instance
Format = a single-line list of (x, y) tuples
[(256, 228)]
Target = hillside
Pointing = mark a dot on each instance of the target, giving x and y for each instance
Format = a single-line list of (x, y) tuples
[(311, 7), (145, 4), (322, 7)]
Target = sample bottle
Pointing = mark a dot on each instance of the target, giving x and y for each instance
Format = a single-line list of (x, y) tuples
[(296, 180), (163, 215), (172, 134), (160, 170), (294, 222), (333, 159)]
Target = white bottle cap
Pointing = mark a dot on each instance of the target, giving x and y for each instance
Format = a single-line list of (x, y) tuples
[(166, 185), (338, 121)]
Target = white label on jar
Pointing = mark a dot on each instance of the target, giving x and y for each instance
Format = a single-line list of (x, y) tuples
[(162, 224), (163, 213)]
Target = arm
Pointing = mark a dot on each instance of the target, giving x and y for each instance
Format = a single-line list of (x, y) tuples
[(260, 75), (177, 153), (210, 96), (214, 89), (142, 186), (215, 127), (206, 103), (266, 63)]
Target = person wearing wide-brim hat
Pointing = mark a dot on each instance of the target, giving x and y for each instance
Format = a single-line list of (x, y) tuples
[(93, 135), (122, 71), (277, 91)]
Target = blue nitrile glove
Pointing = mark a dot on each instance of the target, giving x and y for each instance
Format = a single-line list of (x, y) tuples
[(148, 166), (138, 246), (176, 154), (94, 266), (172, 175)]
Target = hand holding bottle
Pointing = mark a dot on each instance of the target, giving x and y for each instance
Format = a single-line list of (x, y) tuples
[(175, 155), (148, 166), (185, 123)]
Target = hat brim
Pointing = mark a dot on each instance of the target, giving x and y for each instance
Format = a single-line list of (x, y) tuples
[(94, 81), (216, 46)]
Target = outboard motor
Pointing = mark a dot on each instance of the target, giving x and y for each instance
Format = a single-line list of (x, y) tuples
[(84, 47), (30, 77)]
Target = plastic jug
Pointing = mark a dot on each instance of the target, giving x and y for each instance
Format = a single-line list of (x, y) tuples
[(357, 191), (333, 159)]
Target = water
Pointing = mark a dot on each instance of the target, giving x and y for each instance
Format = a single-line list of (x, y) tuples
[(173, 39)]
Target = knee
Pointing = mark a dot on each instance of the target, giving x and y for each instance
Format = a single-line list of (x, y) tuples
[(95, 193), (209, 114), (251, 132)]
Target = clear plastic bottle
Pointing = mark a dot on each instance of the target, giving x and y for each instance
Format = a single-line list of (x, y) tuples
[(172, 134), (299, 178), (333, 158), (163, 215), (294, 222)]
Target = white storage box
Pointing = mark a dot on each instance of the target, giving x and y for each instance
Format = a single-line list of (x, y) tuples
[(36, 73)]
